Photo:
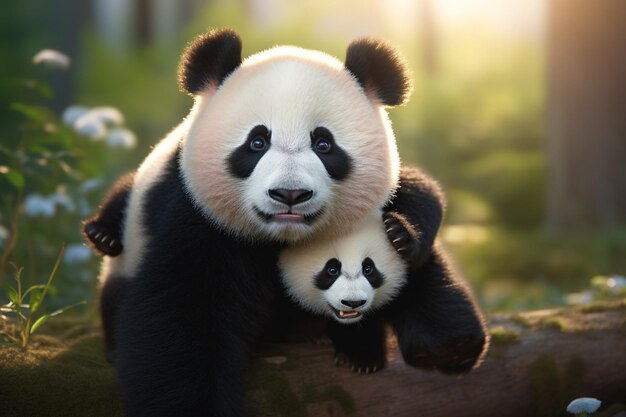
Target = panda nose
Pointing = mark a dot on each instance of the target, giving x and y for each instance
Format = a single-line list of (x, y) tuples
[(353, 303), (290, 197)]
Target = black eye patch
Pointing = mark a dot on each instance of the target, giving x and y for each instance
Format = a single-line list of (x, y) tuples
[(244, 159), (337, 162), (373, 275), (327, 276)]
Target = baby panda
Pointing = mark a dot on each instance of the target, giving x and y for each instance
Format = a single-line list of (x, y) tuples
[(348, 280)]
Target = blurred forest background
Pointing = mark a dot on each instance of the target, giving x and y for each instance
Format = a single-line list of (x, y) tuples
[(519, 109)]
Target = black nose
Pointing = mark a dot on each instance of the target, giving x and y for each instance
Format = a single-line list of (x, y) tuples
[(353, 303), (290, 197)]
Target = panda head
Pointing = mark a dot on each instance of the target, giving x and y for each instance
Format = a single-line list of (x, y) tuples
[(344, 278), (290, 142)]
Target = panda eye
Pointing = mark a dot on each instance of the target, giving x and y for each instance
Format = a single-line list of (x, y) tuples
[(322, 145), (258, 144), (367, 270), (332, 271)]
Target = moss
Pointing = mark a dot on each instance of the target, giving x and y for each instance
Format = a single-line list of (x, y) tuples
[(333, 393), (272, 394), (502, 336), (520, 320), (53, 376), (603, 307), (554, 323)]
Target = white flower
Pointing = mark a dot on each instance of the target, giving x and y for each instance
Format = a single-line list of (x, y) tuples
[(63, 200), (108, 115), (583, 405), (616, 284), (38, 205), (91, 126), (73, 113), (90, 185), (52, 58), (120, 137), (76, 254)]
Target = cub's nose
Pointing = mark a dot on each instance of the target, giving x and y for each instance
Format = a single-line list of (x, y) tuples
[(290, 197), (353, 303)]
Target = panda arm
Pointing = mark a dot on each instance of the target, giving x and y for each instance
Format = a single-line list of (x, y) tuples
[(438, 323), (103, 231), (360, 345), (413, 216)]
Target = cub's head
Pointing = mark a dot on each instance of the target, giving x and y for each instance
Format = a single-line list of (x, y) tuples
[(345, 278), (290, 142)]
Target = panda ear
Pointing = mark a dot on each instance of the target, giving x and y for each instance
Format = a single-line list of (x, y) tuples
[(380, 69), (208, 60)]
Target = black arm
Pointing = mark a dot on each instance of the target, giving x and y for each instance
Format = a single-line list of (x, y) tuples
[(103, 231), (414, 215)]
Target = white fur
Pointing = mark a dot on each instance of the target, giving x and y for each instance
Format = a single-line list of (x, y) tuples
[(299, 265), (291, 91)]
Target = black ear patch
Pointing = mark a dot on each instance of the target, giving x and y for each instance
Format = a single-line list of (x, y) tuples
[(208, 60), (380, 69)]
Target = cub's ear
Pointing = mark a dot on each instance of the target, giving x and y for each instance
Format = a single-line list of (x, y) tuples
[(208, 60), (380, 69)]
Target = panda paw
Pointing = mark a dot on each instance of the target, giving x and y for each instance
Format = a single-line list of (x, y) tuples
[(402, 237), (102, 238), (457, 357), (360, 366)]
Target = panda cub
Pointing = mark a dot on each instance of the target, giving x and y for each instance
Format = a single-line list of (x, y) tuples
[(348, 279)]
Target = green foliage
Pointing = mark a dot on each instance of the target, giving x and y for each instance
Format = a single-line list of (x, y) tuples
[(27, 322), (502, 336)]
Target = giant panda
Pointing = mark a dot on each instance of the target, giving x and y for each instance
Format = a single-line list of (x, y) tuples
[(354, 280), (281, 148)]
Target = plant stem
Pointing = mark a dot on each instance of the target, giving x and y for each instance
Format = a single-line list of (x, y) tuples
[(12, 242)]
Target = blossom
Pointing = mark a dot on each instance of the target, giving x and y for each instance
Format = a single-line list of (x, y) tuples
[(121, 138), (38, 205), (76, 254), (73, 113), (108, 115), (52, 58), (583, 405), (91, 126)]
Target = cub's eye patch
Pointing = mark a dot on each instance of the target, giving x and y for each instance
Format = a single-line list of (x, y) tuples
[(328, 275)]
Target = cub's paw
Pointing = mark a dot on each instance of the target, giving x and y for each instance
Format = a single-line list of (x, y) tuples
[(402, 237), (102, 238), (456, 357), (360, 365)]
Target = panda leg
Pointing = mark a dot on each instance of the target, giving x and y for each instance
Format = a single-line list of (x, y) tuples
[(361, 345), (436, 320), (111, 298)]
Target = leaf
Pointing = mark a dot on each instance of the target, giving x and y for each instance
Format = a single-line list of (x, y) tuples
[(41, 320), (13, 176), (35, 299), (36, 114), (13, 296), (61, 310)]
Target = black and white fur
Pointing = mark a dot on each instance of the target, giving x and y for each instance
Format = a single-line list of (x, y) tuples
[(285, 146)]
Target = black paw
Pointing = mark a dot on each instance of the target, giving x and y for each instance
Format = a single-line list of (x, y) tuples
[(360, 366), (456, 357), (320, 340), (402, 237), (102, 238)]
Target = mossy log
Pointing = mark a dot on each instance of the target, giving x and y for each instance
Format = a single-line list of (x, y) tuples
[(538, 362)]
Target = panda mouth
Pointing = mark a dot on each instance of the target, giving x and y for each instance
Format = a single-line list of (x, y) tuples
[(288, 216), (345, 314)]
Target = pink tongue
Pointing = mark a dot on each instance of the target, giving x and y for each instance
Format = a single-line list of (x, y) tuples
[(292, 217)]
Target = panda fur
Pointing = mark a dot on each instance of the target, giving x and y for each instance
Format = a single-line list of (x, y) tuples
[(284, 147)]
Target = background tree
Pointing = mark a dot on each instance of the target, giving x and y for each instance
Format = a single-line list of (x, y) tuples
[(587, 113)]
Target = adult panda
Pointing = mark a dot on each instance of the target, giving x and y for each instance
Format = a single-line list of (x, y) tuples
[(285, 146)]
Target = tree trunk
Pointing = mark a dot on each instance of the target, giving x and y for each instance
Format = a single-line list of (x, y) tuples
[(537, 364), (587, 119)]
